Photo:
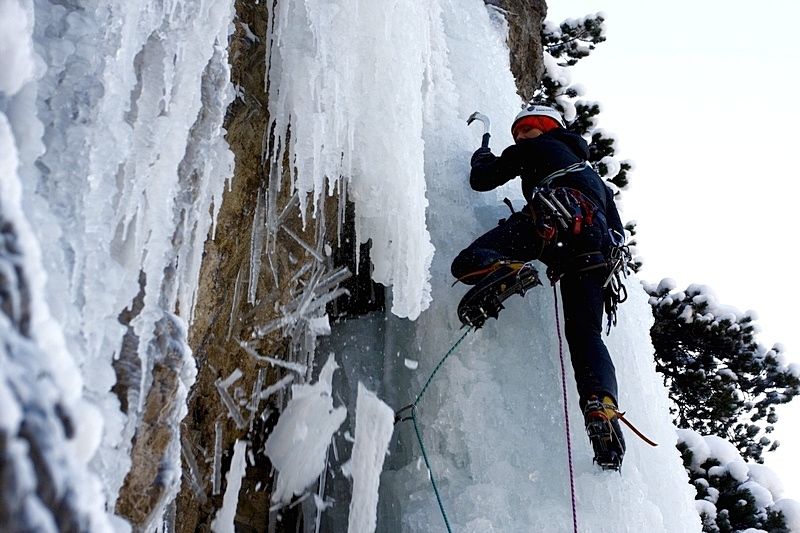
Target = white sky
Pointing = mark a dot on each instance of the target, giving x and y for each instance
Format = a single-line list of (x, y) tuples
[(711, 120)]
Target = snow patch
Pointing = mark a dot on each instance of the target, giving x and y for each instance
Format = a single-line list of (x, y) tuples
[(297, 446)]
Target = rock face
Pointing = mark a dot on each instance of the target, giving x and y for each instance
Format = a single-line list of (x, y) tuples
[(257, 272), (525, 18), (262, 285), (145, 491)]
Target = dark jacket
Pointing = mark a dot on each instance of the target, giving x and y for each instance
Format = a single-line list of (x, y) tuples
[(533, 160)]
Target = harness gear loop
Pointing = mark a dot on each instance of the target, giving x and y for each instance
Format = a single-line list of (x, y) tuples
[(596, 260), (562, 206)]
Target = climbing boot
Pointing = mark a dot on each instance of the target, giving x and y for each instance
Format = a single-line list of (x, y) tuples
[(485, 299), (602, 427)]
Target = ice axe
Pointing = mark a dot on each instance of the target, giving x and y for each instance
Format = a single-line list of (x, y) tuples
[(483, 118)]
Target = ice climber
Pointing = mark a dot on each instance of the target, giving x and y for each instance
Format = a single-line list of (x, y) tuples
[(571, 224)]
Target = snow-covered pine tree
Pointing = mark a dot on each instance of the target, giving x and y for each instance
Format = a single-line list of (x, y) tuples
[(564, 46), (721, 380), (728, 500), (573, 39), (723, 383)]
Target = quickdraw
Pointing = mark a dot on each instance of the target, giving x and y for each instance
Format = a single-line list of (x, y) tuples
[(620, 263), (560, 207)]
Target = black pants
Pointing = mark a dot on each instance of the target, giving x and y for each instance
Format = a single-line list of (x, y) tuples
[(581, 292)]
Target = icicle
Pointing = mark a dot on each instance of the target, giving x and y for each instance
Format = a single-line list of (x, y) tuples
[(319, 497), (310, 299), (338, 276), (341, 210), (374, 428), (237, 295), (272, 389), (293, 203), (300, 273), (295, 367), (216, 477), (230, 380), (302, 243), (325, 299), (301, 303), (274, 325), (233, 409), (224, 519), (193, 475), (256, 243), (273, 269), (255, 396), (168, 518), (272, 218)]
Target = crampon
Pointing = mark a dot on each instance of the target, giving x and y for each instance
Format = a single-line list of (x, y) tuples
[(602, 427), (485, 300)]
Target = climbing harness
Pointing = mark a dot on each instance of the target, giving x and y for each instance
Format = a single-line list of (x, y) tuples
[(571, 211)]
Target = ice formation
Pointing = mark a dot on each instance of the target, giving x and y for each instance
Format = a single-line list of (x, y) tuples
[(112, 167)]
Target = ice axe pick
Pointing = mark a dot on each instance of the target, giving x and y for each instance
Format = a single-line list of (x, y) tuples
[(483, 118)]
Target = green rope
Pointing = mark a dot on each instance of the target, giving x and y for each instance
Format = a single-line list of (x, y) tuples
[(413, 408), (430, 470), (435, 370)]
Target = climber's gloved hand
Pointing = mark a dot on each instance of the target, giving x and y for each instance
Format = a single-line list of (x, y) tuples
[(481, 155)]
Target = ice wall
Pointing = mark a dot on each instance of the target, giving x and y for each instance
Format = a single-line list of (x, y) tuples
[(380, 97), (494, 429), (115, 116), (45, 484)]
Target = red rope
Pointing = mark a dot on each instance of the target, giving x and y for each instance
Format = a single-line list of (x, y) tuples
[(639, 434), (566, 413)]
